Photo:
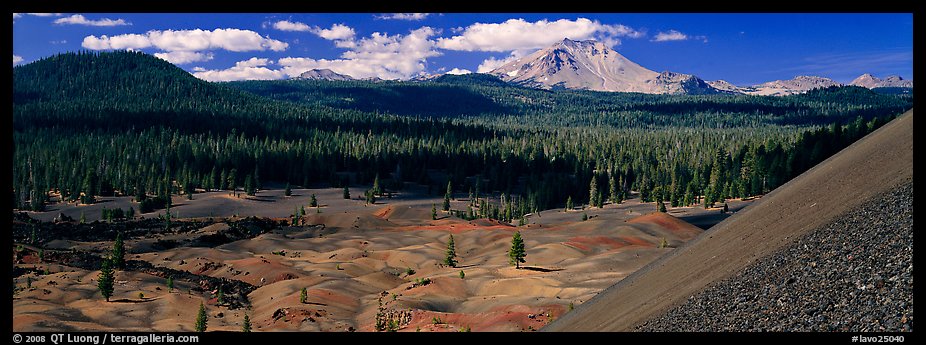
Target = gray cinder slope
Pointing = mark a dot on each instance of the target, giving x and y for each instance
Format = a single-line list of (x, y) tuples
[(867, 168)]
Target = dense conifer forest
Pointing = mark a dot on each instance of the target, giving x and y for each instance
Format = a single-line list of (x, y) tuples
[(126, 123)]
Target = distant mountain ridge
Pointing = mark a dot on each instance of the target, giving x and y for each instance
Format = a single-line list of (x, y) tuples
[(592, 65)]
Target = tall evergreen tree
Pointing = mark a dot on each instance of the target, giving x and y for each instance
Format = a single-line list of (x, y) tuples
[(313, 202), (287, 191), (376, 189), (346, 193), (246, 326), (593, 192), (201, 318), (450, 258), (447, 196), (118, 254), (249, 187), (106, 279), (517, 253)]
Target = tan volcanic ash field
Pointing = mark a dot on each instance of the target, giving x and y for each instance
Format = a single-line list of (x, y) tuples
[(346, 258)]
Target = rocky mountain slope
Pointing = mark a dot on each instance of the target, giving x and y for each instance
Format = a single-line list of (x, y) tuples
[(591, 65), (323, 74), (870, 81)]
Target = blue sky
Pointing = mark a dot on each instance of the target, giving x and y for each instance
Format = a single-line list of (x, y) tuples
[(743, 49)]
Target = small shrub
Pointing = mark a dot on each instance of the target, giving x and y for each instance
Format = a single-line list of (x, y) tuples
[(409, 271)]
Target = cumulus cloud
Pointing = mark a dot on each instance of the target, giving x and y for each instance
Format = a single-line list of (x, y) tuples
[(17, 59), (119, 42), (285, 25), (251, 69), (516, 34), (337, 32), (184, 57), (403, 16), (235, 40), (78, 19), (675, 35), (492, 63), (379, 55), (457, 71), (672, 35)]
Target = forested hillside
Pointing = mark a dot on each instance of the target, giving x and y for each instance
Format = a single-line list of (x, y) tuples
[(128, 123)]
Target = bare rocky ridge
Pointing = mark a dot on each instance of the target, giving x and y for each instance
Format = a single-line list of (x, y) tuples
[(854, 274), (870, 81)]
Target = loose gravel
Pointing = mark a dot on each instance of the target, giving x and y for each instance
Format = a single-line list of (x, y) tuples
[(853, 274)]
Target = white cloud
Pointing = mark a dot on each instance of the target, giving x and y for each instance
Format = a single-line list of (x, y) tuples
[(457, 71), (285, 25), (198, 69), (337, 32), (672, 35), (119, 42), (58, 42), (184, 57), (17, 59), (520, 34), (404, 16), (251, 69), (20, 15), (235, 40), (492, 63), (379, 55), (675, 35), (78, 19)]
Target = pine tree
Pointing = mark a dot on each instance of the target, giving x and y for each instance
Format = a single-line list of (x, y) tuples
[(220, 297), (249, 185), (188, 189), (451, 254), (370, 196), (662, 206), (593, 192), (105, 280), (118, 256), (246, 327), (140, 193), (303, 295), (313, 202), (201, 318), (287, 191), (446, 206), (376, 189), (462, 275), (170, 284), (612, 184), (346, 193), (517, 253), (433, 212), (568, 203)]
